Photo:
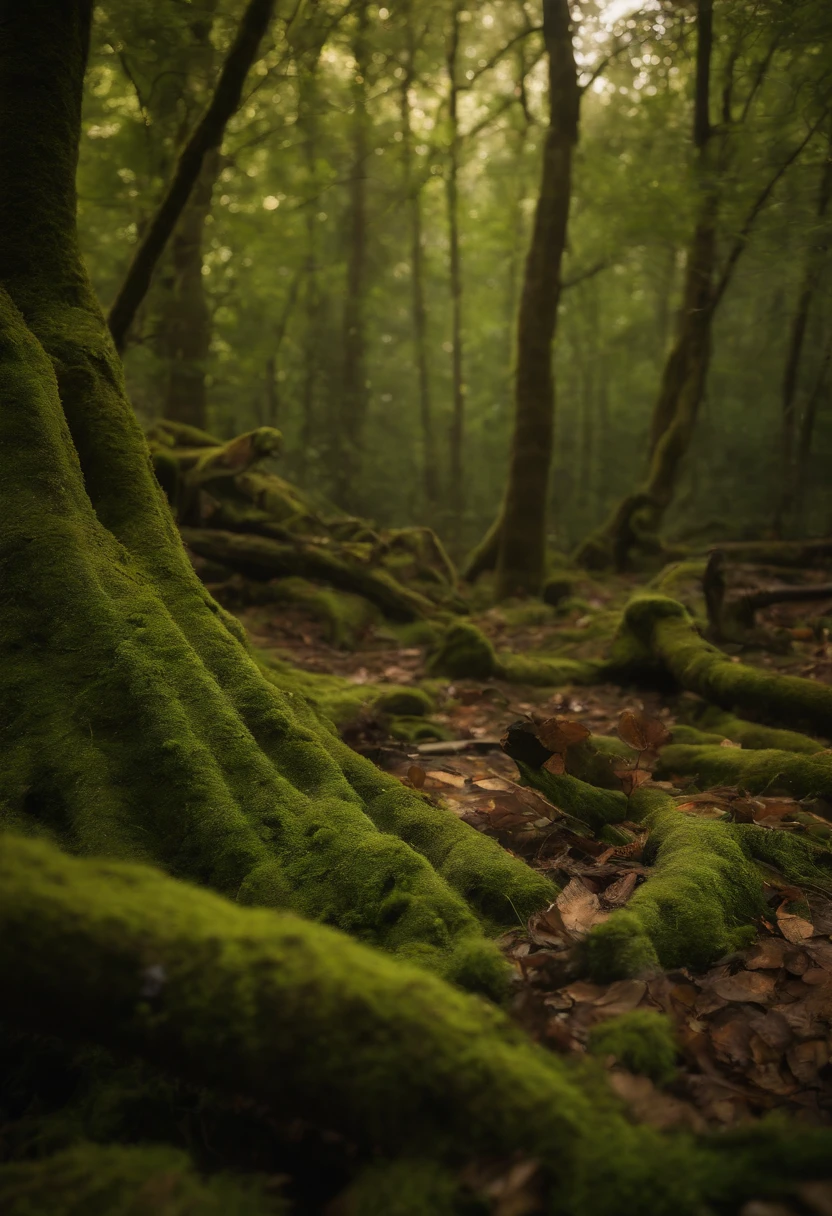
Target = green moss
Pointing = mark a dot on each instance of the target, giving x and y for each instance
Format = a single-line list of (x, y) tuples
[(346, 616), (759, 772), (711, 719), (699, 902), (464, 653), (127, 1181), (665, 629), (544, 672), (403, 1188), (416, 730), (594, 807), (642, 1041)]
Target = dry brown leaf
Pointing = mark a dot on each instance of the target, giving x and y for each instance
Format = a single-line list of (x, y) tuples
[(768, 954), (795, 929), (622, 996), (555, 764), (416, 776), (547, 928), (583, 992), (492, 783), (455, 779), (632, 778), (817, 1196), (618, 892), (730, 1039), (745, 986), (729, 743), (558, 734), (580, 908), (703, 810), (649, 1105), (806, 1059), (641, 731)]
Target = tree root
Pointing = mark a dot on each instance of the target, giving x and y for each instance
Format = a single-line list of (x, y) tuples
[(113, 1178), (699, 903), (757, 771), (662, 628), (315, 1025), (465, 653), (711, 725)]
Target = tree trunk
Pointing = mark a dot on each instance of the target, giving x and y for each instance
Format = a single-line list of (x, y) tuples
[(347, 453), (308, 101), (206, 136), (522, 552), (812, 276), (417, 273), (456, 486), (686, 367), (139, 725), (186, 317), (818, 394)]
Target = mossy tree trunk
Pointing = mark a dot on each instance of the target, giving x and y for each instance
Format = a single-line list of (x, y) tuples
[(456, 483), (413, 194), (351, 410), (521, 531), (136, 724)]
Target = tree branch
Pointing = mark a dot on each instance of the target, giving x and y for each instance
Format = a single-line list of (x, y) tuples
[(207, 135)]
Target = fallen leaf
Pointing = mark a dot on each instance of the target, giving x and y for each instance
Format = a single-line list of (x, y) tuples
[(729, 743), (558, 734), (649, 1105), (768, 954), (806, 1059), (817, 1196), (641, 731), (622, 996), (455, 779), (745, 986), (547, 928), (580, 908), (583, 992), (416, 776), (632, 778), (492, 783), (618, 892), (794, 928), (730, 1039), (555, 764)]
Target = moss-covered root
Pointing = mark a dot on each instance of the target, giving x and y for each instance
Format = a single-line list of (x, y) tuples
[(665, 628), (712, 725), (699, 902), (318, 1026), (127, 1181), (758, 772), (593, 806), (465, 653), (403, 1188), (642, 1041)]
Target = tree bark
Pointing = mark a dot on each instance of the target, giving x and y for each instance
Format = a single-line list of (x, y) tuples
[(813, 270), (522, 552), (207, 135), (351, 417), (308, 122), (818, 394), (412, 187), (186, 317), (456, 485)]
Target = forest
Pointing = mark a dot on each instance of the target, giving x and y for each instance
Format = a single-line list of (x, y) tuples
[(414, 424)]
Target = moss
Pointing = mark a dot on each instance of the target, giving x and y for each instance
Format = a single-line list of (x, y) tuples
[(346, 616), (759, 772), (642, 1041), (594, 807), (699, 902), (127, 1181), (665, 629), (711, 719), (404, 1188), (544, 672), (415, 730), (464, 653)]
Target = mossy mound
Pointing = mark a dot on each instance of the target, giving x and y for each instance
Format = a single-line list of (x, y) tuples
[(700, 901), (464, 653), (120, 1180), (642, 1041)]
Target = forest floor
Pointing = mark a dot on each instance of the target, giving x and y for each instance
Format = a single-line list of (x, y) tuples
[(755, 1031)]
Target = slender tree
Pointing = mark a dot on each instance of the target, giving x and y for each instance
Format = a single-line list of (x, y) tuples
[(413, 195), (456, 486), (518, 538), (813, 271)]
